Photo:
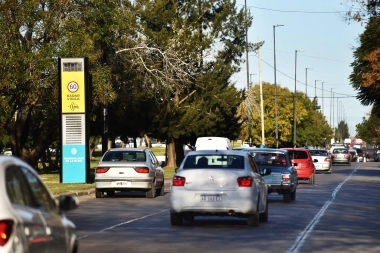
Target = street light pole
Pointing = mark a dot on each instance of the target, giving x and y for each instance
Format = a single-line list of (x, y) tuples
[(315, 94), (322, 99), (294, 101), (275, 81), (306, 81)]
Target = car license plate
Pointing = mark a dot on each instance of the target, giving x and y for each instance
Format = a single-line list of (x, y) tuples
[(211, 198), (122, 183)]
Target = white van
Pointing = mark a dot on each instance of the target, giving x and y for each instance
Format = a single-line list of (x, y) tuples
[(212, 143)]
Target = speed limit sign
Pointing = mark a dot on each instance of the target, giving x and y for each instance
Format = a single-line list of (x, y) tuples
[(73, 87)]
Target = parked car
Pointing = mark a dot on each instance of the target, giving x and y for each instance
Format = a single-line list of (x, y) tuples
[(341, 155), (284, 178), (129, 169), (220, 183), (301, 158), (323, 163), (31, 218), (354, 155), (359, 151)]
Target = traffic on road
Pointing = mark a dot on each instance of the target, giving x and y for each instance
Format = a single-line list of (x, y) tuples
[(339, 213)]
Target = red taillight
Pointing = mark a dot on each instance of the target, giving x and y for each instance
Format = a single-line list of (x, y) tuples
[(178, 181), (245, 181), (327, 159), (6, 227), (332, 155), (143, 170), (285, 177), (101, 170), (348, 156)]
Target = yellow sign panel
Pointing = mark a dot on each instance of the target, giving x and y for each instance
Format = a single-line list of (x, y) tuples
[(73, 92)]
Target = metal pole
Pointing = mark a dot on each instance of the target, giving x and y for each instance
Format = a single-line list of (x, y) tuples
[(306, 81), (294, 102), (275, 82), (322, 100)]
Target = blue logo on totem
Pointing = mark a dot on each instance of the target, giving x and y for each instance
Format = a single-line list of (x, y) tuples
[(74, 163)]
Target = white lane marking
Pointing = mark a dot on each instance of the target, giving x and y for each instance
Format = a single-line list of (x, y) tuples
[(120, 224), (309, 228)]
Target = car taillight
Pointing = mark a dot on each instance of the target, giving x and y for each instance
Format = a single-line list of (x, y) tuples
[(327, 159), (285, 177), (348, 156), (143, 170), (178, 181), (101, 170), (6, 227), (245, 181), (332, 155)]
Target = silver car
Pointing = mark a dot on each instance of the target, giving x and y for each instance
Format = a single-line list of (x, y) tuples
[(221, 183), (129, 169), (341, 155), (31, 218), (323, 159)]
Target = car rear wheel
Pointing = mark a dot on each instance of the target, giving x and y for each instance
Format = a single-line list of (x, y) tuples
[(152, 191), (312, 179), (253, 220), (176, 219), (287, 197), (293, 195), (99, 193), (161, 190), (264, 215)]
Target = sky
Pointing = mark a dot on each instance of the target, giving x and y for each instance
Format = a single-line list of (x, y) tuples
[(326, 41)]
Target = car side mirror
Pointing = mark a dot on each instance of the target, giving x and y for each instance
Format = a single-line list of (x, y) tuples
[(68, 202), (162, 163)]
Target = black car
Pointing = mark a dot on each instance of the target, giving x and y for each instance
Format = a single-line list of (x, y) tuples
[(371, 155)]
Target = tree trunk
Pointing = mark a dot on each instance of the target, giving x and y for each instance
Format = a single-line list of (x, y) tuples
[(171, 154), (179, 153)]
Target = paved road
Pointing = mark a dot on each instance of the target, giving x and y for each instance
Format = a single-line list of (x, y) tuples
[(338, 214)]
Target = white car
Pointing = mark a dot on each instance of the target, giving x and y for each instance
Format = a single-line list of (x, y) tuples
[(220, 183), (324, 160), (129, 169), (31, 218)]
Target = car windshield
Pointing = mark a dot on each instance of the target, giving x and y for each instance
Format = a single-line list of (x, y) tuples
[(267, 158), (214, 161), (113, 156), (340, 151), (319, 153), (298, 154)]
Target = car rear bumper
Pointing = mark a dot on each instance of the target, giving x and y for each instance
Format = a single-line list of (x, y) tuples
[(118, 183), (240, 201)]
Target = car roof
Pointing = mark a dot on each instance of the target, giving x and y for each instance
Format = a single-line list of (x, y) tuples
[(216, 152), (127, 149), (273, 150)]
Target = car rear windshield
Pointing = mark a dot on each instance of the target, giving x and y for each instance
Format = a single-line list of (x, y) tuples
[(298, 154), (319, 152), (268, 158), (113, 156), (340, 151), (214, 161)]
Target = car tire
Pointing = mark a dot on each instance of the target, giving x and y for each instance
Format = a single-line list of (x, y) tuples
[(264, 216), (253, 220), (99, 193), (287, 197), (110, 193), (152, 192), (176, 219), (312, 179), (293, 194), (161, 190), (188, 218)]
